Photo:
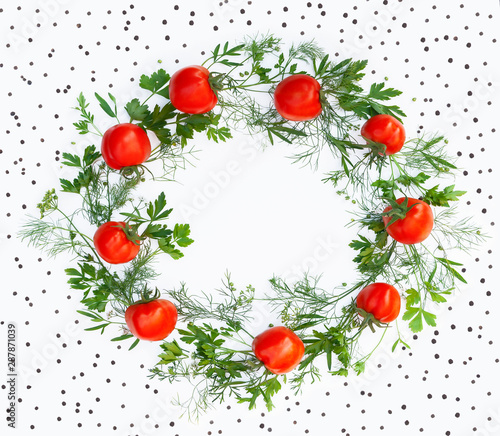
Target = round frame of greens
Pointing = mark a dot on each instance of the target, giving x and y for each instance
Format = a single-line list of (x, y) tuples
[(214, 351)]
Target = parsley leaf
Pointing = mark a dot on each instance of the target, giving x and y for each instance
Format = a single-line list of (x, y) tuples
[(137, 111), (155, 82), (378, 92), (442, 198)]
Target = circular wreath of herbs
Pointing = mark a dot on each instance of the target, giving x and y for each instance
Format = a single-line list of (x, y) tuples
[(215, 348)]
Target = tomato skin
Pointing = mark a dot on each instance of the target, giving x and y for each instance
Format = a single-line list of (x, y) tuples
[(190, 91), (112, 244), (297, 98), (151, 321), (415, 227), (279, 349), (125, 145), (381, 300), (387, 130)]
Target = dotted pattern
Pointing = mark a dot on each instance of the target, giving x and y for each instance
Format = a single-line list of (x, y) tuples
[(443, 55)]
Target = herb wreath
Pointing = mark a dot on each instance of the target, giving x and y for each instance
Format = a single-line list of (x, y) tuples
[(318, 104)]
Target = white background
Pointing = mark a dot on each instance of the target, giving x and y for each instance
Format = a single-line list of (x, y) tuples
[(271, 217)]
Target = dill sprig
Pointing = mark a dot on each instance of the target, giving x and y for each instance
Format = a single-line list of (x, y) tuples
[(303, 304), (461, 234), (51, 237), (234, 308)]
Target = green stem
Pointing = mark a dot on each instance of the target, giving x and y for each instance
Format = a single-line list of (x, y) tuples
[(365, 358), (245, 87), (96, 128)]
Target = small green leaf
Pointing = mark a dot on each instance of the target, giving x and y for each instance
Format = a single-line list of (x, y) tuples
[(122, 338), (155, 208), (184, 131), (71, 160), (412, 297), (90, 155), (416, 325), (67, 186), (181, 231), (395, 345), (437, 298), (442, 198), (72, 272), (97, 327), (410, 313), (173, 347), (89, 314), (430, 318), (290, 131), (323, 65), (180, 235), (378, 92), (273, 131), (170, 249), (359, 367), (215, 52), (164, 92), (156, 120), (105, 106), (184, 242), (154, 82), (134, 344)]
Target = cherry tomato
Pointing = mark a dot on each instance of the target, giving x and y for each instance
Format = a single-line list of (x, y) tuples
[(415, 227), (112, 244), (381, 300), (125, 145), (190, 90), (279, 349), (297, 98), (387, 130), (151, 321)]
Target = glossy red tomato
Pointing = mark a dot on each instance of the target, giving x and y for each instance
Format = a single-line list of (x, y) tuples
[(125, 145), (415, 227), (112, 244), (297, 98), (190, 90), (387, 130), (381, 300), (279, 349), (151, 321)]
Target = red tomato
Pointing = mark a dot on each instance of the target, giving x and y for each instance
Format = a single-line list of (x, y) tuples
[(297, 98), (190, 90), (415, 227), (381, 300), (387, 130), (112, 244), (125, 145), (151, 321), (279, 349)]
